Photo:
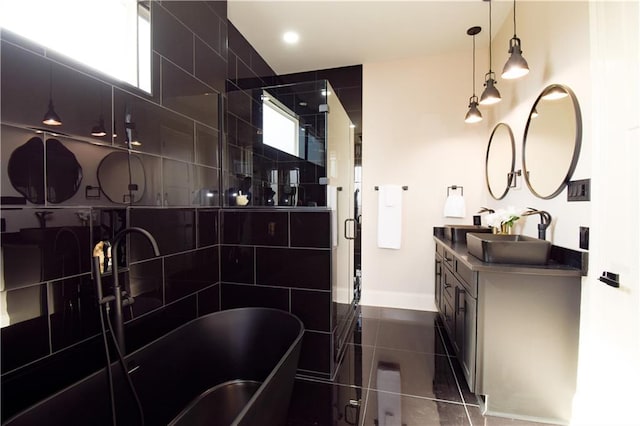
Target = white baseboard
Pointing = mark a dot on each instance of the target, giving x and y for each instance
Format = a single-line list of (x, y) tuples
[(393, 299)]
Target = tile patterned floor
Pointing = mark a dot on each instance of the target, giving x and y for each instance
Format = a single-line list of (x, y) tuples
[(397, 371)]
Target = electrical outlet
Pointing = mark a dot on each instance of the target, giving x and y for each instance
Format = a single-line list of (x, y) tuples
[(584, 237)]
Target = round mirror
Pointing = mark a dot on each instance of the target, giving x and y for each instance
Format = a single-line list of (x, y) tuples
[(500, 161), (552, 141), (116, 172)]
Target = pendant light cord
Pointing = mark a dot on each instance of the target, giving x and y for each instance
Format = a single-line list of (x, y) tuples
[(514, 18), (50, 83), (473, 80), (490, 59)]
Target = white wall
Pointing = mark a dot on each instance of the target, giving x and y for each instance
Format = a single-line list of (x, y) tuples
[(414, 134)]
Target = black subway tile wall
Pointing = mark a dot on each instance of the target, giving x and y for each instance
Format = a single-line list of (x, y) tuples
[(156, 168), (260, 266)]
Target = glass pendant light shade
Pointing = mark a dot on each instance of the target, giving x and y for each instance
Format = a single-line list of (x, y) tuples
[(516, 65), (490, 95), (473, 115), (51, 118)]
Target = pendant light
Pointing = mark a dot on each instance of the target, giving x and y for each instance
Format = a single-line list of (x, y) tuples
[(516, 65), (490, 95), (473, 115), (51, 118)]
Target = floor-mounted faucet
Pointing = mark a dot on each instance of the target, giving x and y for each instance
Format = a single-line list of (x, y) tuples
[(545, 221), (118, 293)]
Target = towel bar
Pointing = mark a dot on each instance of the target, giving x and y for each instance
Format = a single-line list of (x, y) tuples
[(404, 188)]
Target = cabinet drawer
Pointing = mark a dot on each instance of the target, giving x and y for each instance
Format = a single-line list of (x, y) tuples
[(468, 278), (448, 259)]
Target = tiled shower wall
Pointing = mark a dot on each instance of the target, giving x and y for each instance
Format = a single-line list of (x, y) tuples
[(50, 324)]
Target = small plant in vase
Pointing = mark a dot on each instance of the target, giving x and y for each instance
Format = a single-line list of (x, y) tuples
[(503, 219)]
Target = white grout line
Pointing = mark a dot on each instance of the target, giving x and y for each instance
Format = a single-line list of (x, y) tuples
[(466, 410)]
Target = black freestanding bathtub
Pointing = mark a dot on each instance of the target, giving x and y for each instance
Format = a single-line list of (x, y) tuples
[(234, 367)]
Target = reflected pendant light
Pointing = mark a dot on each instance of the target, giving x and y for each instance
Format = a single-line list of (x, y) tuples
[(99, 130), (51, 118), (516, 65), (473, 115), (490, 95)]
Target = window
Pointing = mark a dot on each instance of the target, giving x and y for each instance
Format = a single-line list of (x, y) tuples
[(279, 126), (112, 36)]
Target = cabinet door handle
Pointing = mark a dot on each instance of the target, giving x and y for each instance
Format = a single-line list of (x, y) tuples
[(446, 284), (459, 306), (438, 268)]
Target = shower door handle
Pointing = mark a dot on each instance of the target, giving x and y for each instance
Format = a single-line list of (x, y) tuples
[(345, 229)]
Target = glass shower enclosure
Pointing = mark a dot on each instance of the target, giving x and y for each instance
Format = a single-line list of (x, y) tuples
[(292, 146)]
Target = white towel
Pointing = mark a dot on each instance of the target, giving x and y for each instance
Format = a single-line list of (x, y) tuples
[(389, 216), (454, 206)]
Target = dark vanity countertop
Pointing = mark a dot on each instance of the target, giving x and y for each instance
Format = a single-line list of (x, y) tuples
[(553, 268)]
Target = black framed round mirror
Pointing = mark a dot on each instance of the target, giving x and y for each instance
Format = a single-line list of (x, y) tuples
[(500, 160), (552, 140)]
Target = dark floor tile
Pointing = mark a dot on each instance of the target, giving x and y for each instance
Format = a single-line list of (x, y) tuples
[(468, 396), (364, 332), (477, 419), (392, 409), (410, 336), (325, 404), (414, 373), (355, 366)]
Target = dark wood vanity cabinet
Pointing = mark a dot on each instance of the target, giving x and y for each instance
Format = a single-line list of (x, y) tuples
[(456, 301), (514, 330)]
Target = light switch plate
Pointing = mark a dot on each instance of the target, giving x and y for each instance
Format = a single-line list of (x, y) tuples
[(579, 190)]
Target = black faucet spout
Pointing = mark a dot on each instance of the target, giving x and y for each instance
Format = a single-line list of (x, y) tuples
[(545, 221)]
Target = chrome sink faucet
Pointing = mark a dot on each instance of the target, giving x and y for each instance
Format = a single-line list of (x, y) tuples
[(118, 293), (545, 221)]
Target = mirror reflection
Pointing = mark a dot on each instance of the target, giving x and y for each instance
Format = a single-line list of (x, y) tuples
[(26, 171), (552, 141), (500, 161), (115, 174)]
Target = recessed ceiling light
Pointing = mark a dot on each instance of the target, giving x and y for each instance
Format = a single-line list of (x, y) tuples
[(291, 37)]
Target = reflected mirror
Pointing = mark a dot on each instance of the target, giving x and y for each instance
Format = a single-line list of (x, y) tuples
[(500, 161), (552, 141), (26, 170), (64, 173), (116, 171)]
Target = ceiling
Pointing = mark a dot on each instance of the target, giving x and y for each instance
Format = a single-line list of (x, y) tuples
[(336, 33)]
